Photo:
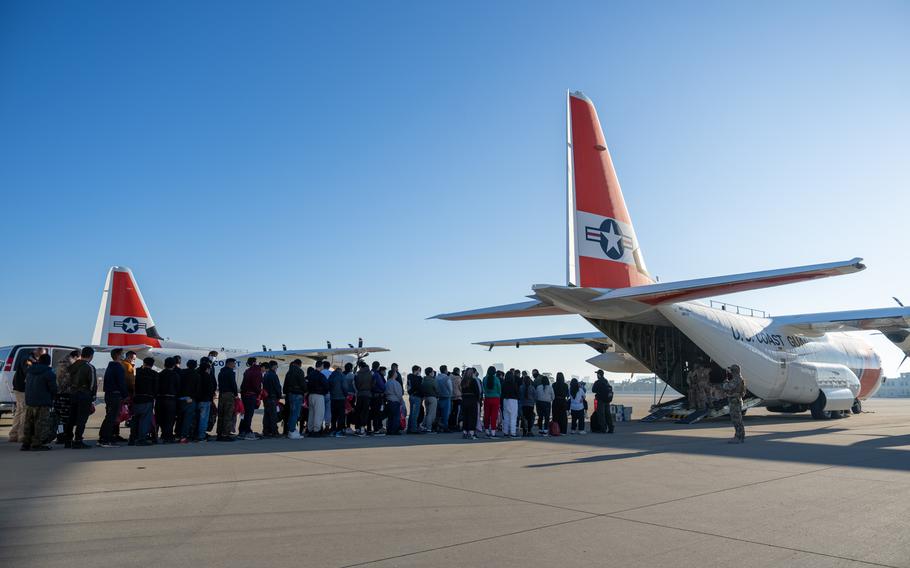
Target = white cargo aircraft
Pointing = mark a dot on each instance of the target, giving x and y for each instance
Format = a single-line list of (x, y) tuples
[(124, 321), (791, 363)]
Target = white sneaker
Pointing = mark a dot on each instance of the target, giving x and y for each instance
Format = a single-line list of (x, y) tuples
[(582, 432), (250, 436), (295, 435)]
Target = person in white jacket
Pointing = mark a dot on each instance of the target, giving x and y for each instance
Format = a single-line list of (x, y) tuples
[(577, 407), (545, 398)]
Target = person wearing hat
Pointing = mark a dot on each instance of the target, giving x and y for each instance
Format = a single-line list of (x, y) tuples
[(735, 388)]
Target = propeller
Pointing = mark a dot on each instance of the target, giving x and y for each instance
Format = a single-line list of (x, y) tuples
[(899, 303), (328, 344)]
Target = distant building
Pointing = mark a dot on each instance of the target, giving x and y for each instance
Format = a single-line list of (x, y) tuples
[(895, 388)]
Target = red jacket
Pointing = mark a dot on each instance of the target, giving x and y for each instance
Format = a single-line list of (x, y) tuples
[(252, 381)]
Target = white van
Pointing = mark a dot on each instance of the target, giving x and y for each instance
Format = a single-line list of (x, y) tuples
[(11, 356)]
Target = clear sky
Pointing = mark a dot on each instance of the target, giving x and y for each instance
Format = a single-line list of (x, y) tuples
[(290, 172)]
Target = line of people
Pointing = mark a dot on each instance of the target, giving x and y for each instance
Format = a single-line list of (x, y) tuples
[(183, 404)]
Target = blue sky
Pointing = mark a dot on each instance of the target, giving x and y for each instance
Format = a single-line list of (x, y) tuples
[(288, 172)]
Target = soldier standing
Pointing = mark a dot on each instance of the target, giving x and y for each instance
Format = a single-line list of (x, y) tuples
[(735, 388), (693, 392)]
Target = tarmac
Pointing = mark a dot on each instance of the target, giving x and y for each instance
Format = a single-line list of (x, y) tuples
[(799, 492)]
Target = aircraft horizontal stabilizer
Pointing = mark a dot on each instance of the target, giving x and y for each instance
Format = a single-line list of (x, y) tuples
[(684, 290), (139, 349), (595, 339), (519, 310), (894, 323)]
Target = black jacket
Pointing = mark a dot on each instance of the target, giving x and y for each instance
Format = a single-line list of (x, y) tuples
[(21, 372), (83, 376), (414, 380), (189, 383), (316, 383), (295, 381), (560, 394), (510, 388), (470, 390), (227, 380), (207, 387), (272, 384), (168, 383), (602, 390), (146, 385), (40, 385)]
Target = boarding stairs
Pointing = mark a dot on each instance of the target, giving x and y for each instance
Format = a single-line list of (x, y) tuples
[(678, 410)]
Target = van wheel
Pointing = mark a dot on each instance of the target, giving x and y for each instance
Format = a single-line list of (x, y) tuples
[(817, 408), (857, 406)]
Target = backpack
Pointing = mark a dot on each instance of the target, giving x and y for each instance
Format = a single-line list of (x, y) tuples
[(554, 429)]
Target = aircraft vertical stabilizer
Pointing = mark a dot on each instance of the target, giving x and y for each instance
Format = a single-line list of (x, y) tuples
[(124, 318), (603, 251)]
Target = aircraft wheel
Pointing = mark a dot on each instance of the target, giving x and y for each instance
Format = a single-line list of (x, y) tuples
[(857, 406), (817, 408)]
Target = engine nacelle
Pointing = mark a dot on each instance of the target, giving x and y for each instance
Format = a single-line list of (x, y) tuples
[(618, 363), (806, 380)]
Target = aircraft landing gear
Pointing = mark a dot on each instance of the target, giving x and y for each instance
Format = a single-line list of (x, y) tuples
[(817, 408), (857, 406)]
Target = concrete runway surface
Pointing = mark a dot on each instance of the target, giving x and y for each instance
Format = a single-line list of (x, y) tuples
[(798, 493)]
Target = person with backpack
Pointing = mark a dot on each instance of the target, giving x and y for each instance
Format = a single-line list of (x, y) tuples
[(414, 400), (492, 390), (470, 402), (527, 397), (577, 406), (40, 388), (603, 395), (561, 403), (510, 395), (544, 396)]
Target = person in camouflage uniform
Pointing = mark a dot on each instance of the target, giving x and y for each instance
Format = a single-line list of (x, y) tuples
[(693, 393), (64, 399), (735, 388)]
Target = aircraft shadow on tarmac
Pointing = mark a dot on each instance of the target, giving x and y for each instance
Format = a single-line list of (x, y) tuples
[(638, 439)]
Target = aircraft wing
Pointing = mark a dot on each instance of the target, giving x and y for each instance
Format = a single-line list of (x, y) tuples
[(670, 292), (894, 323), (519, 310), (595, 339), (289, 355)]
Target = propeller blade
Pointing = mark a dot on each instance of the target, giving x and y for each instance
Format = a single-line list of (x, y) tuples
[(899, 303)]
